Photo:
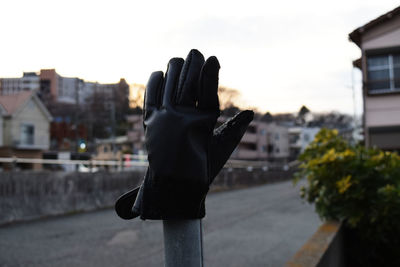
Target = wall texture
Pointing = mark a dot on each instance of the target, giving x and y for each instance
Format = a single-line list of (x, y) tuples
[(324, 249), (28, 195)]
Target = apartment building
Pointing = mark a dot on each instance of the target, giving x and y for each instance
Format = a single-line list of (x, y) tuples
[(76, 90), (68, 90), (254, 143), (262, 141), (29, 81), (379, 41), (278, 142)]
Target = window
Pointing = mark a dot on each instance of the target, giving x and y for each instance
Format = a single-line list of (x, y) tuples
[(270, 148), (383, 73), (306, 137), (248, 146), (251, 129), (27, 134)]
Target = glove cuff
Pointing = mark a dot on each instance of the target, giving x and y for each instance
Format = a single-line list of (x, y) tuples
[(171, 201)]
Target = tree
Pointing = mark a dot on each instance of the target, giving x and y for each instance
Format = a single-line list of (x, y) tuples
[(303, 111), (303, 116), (267, 117), (228, 97), (137, 96), (99, 114), (121, 100)]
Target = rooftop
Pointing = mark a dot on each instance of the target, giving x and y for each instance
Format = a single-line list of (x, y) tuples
[(12, 103), (355, 35)]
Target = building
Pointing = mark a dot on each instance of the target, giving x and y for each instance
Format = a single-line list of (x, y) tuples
[(113, 148), (299, 138), (70, 90), (25, 126), (81, 109), (136, 133), (254, 143), (263, 141), (379, 41), (278, 142), (75, 90), (29, 81)]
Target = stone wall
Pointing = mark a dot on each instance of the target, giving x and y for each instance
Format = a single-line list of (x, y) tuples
[(28, 195)]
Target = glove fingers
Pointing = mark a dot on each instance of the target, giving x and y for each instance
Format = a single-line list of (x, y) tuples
[(226, 137), (152, 96), (171, 80), (208, 93), (189, 79)]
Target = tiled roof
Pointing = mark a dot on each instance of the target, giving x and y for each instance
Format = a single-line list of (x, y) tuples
[(11, 103)]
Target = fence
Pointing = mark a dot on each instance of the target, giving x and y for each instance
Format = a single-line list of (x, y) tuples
[(137, 161)]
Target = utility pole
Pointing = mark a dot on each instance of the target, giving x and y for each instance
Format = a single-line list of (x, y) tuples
[(113, 120), (183, 243)]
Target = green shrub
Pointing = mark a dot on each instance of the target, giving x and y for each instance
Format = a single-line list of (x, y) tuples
[(357, 185)]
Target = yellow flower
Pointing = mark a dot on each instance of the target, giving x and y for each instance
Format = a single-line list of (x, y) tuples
[(312, 163), (389, 188), (343, 184), (329, 156), (348, 153), (378, 157)]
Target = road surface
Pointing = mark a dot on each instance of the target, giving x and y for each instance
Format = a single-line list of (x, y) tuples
[(259, 226)]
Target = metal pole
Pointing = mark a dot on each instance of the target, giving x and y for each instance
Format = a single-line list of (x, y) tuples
[(183, 243)]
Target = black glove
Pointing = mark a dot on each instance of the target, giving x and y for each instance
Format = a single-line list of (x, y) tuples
[(185, 153)]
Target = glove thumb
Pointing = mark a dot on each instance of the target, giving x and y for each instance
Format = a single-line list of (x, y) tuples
[(225, 139)]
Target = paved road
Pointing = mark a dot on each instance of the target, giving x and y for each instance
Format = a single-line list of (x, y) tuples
[(260, 226)]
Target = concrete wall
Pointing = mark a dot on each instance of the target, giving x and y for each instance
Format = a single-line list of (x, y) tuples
[(324, 249), (31, 195)]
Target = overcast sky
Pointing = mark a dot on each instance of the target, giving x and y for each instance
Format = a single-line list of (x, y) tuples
[(278, 54)]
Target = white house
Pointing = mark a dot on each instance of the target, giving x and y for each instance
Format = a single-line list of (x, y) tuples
[(25, 127)]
